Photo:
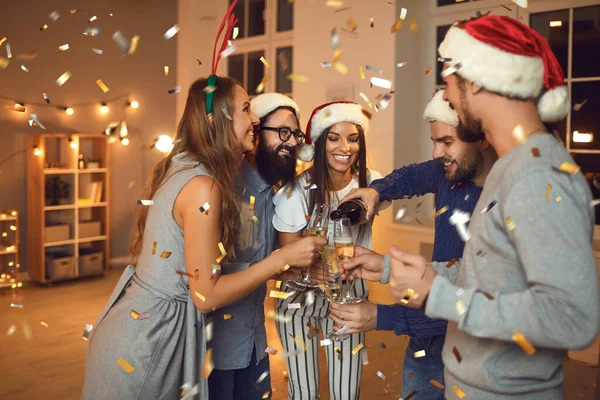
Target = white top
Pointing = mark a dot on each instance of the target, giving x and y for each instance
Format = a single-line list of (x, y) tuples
[(291, 207)]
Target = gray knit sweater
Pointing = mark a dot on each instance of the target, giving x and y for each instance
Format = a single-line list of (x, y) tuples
[(528, 268)]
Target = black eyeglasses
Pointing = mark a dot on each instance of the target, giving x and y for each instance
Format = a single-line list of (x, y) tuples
[(285, 133)]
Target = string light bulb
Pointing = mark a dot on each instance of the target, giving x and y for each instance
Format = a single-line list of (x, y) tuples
[(124, 141), (37, 151), (104, 108), (133, 104), (72, 143), (69, 111), (163, 143)]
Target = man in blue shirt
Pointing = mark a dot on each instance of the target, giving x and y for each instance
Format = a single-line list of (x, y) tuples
[(456, 176)]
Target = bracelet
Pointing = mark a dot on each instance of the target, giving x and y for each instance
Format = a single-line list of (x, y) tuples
[(385, 277)]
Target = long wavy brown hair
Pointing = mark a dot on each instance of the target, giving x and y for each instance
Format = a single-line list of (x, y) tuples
[(212, 145)]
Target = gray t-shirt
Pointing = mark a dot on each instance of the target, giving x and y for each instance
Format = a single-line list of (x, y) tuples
[(527, 269)]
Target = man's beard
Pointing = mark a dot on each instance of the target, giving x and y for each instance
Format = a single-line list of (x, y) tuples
[(466, 165), (472, 130), (271, 166)]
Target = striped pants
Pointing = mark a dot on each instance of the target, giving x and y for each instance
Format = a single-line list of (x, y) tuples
[(344, 369)]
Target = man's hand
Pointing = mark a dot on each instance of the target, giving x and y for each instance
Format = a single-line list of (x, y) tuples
[(368, 196), (359, 317), (365, 264), (411, 277)]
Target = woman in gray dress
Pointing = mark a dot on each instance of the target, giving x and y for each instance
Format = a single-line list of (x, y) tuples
[(151, 338)]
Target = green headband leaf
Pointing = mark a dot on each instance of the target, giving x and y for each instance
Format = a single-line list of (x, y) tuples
[(212, 82)]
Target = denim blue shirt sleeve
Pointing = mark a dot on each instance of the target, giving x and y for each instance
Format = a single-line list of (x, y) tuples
[(411, 180), (408, 321), (234, 339)]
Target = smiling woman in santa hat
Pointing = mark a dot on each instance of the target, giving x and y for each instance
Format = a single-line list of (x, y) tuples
[(338, 132)]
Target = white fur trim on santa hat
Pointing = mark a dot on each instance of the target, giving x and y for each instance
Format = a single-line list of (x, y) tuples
[(554, 105), (263, 104), (305, 152), (439, 110), (334, 114), (492, 68)]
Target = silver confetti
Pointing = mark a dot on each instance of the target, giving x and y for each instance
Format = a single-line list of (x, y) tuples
[(35, 121), (121, 41), (171, 32), (176, 89), (46, 98), (15, 305), (380, 374), (402, 64), (24, 68), (227, 52), (208, 331), (449, 71), (54, 15), (8, 51), (294, 306), (262, 377), (379, 82), (91, 31), (488, 207), (145, 202), (326, 342), (460, 219), (87, 330), (98, 51), (444, 59), (400, 213), (373, 69), (325, 64), (92, 19), (63, 78), (189, 392), (384, 103)]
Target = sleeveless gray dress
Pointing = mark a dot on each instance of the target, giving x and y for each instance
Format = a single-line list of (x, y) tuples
[(167, 349)]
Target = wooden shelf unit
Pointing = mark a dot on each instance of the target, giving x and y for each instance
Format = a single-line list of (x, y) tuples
[(58, 158), (9, 248)]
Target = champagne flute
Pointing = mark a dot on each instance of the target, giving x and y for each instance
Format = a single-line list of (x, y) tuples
[(344, 250), (317, 226), (333, 287)]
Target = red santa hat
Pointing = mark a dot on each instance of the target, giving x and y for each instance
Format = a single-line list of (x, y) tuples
[(439, 109), (506, 56), (265, 103), (327, 115)]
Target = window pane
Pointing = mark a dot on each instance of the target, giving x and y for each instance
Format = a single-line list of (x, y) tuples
[(586, 42), (285, 16), (256, 22), (440, 35), (239, 12), (284, 68), (442, 3), (235, 67), (587, 119), (557, 34), (255, 71), (590, 166)]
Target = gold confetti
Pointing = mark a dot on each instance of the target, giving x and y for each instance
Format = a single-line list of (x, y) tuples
[(510, 224), (279, 295), (452, 262), (456, 354), (408, 293), (278, 285), (11, 329), (133, 45), (535, 151), (334, 3), (570, 168), (297, 78), (351, 24), (428, 71), (519, 133), (125, 365), (414, 28), (208, 365), (166, 70), (361, 72), (285, 268), (2, 40), (134, 314), (235, 33), (255, 219), (102, 86), (261, 85), (357, 348), (548, 191), (265, 62), (64, 47), (397, 26), (419, 354), (227, 317), (223, 252), (460, 307), (440, 211), (523, 343), (199, 295), (63, 78), (336, 56), (44, 27), (165, 254), (266, 395), (154, 247), (366, 99), (372, 22), (44, 324), (340, 67), (252, 201), (558, 198), (436, 384), (459, 393), (4, 62)]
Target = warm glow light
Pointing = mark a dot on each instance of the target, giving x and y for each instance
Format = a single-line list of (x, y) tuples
[(583, 137), (37, 151), (134, 104), (104, 109), (4, 234), (13, 228), (69, 111), (555, 24), (164, 143), (72, 143), (13, 213), (124, 141)]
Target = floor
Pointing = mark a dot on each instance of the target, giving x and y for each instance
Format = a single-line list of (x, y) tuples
[(39, 362)]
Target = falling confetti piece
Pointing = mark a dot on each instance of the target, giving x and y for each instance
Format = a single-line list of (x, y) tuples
[(4, 62), (102, 86), (199, 295), (11, 330), (285, 268), (444, 59), (361, 72), (489, 207), (166, 70), (145, 202), (279, 295), (75, 11), (223, 252), (64, 47), (376, 70), (460, 219), (134, 314), (402, 64), (351, 24), (400, 213), (428, 71), (266, 395), (451, 70), (46, 98), (548, 191), (172, 31), (235, 33), (165, 254), (381, 346), (334, 3), (570, 168), (414, 28), (440, 211), (205, 207), (340, 67), (227, 317), (44, 324), (380, 374), (403, 12), (325, 64), (98, 51), (86, 331), (228, 51), (459, 393), (436, 384), (326, 342), (372, 22), (24, 68), (121, 41), (523, 343), (265, 62), (188, 392), (382, 83), (144, 315), (411, 395), (520, 3), (2, 40), (125, 365), (176, 89), (208, 365), (510, 224), (357, 349), (460, 307), (535, 151), (262, 377), (154, 247), (397, 26), (578, 106), (419, 354), (63, 78), (408, 293), (297, 78), (34, 121), (92, 19), (44, 27), (133, 45), (271, 351), (91, 31), (366, 99)]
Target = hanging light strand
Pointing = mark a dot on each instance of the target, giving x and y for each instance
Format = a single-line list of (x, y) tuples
[(128, 103)]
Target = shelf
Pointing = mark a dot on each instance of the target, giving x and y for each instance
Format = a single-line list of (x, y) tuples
[(4, 252), (92, 239), (103, 204), (92, 170), (60, 243), (58, 171), (61, 207), (8, 218)]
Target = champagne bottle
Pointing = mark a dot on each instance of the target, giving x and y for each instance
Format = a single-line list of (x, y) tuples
[(355, 210)]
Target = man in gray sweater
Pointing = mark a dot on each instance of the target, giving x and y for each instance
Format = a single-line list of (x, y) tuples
[(526, 289)]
